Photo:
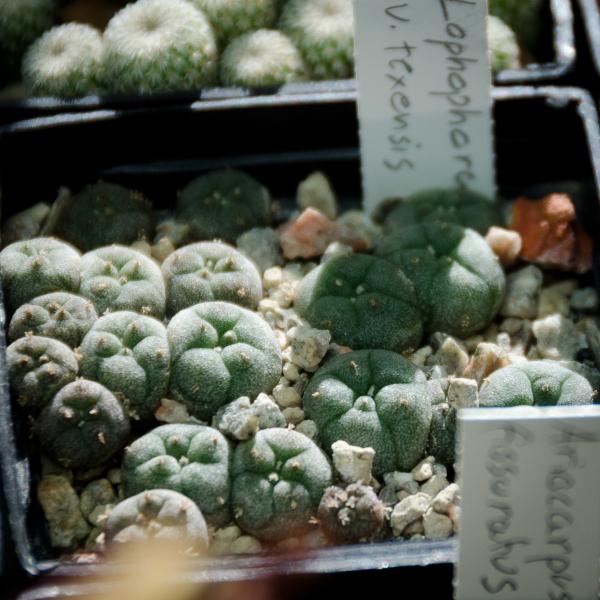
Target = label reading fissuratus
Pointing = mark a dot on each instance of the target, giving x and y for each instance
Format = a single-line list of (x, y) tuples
[(424, 98), (530, 507)]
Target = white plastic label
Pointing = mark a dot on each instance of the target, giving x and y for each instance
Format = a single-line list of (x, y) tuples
[(530, 507), (423, 97)]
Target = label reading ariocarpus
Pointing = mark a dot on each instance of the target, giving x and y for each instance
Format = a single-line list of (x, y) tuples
[(530, 516), (423, 97)]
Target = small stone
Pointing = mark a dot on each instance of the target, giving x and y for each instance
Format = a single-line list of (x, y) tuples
[(451, 355), (554, 299), (557, 337), (362, 231), (245, 544), (286, 396), (171, 411), (398, 481), (454, 515), (236, 420), (162, 249), (272, 278), (96, 493), (419, 358), (505, 244), (223, 538), (268, 413), (415, 528), (352, 462), (114, 476), (447, 497), (585, 299), (522, 291), (424, 470), (291, 371), (309, 346), (293, 415), (142, 246), (486, 359), (407, 511), (433, 486), (308, 428), (99, 515), (437, 526), (261, 246), (335, 250), (316, 192), (440, 469), (60, 504), (462, 393), (307, 236)]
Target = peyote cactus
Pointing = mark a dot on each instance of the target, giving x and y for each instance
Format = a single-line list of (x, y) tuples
[(38, 367), (458, 279), (129, 354), (461, 207), (34, 267), (83, 426), (536, 383), (233, 18), (372, 398), (503, 48), (64, 62), (59, 315), (220, 352), (365, 302), (119, 278), (102, 214), (279, 477), (223, 204), (21, 22), (193, 460), (210, 271), (353, 514), (323, 30), (162, 515), (263, 58), (522, 16), (157, 46)]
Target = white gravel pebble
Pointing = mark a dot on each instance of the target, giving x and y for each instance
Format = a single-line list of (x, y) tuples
[(557, 337), (424, 470), (335, 250), (437, 526), (352, 462), (451, 355), (308, 428), (432, 487), (585, 299), (308, 345), (408, 510), (462, 393), (505, 243), (286, 396), (293, 415), (486, 359), (446, 498), (316, 192), (522, 290)]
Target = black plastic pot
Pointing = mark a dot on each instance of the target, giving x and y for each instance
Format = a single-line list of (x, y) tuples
[(547, 140), (555, 53)]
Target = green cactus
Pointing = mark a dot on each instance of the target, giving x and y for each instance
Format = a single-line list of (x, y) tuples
[(365, 302), (522, 16), (193, 460), (461, 207), (102, 214), (119, 278), (220, 352), (129, 354), (83, 426), (535, 383), (458, 279), (233, 18), (279, 477), (263, 58), (162, 515), (158, 46), (21, 22), (210, 271), (59, 315), (372, 398), (34, 267), (38, 367), (223, 204), (64, 62), (503, 48), (323, 30)]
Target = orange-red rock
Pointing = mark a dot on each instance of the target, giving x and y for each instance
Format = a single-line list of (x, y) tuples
[(550, 235)]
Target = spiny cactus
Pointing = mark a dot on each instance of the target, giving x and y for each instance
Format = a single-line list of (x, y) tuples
[(34, 267), (210, 271), (64, 62), (162, 515), (279, 477), (159, 45), (365, 302), (232, 18), (119, 278), (457, 278), (83, 426), (129, 354), (263, 58), (535, 383), (223, 204), (376, 399), (190, 459), (220, 352), (102, 214), (59, 315), (38, 367), (323, 30)]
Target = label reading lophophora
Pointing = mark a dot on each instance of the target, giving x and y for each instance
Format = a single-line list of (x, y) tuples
[(423, 97), (530, 507)]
